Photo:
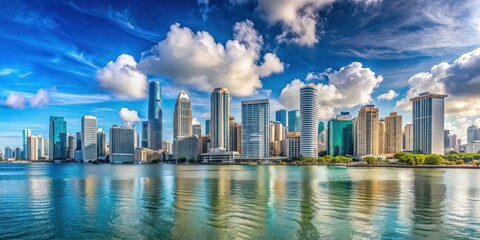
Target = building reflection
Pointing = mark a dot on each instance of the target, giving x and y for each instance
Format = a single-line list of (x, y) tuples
[(307, 228)]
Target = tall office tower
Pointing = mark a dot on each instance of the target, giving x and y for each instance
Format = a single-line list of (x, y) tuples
[(294, 121), (72, 146), (207, 127), (17, 152), (393, 133), (220, 113), (167, 147), (182, 116), (154, 116), (122, 144), (235, 135), (277, 139), (381, 136), (101, 144), (408, 131), (473, 134), (41, 147), (25, 134), (32, 146), (366, 131), (309, 121), (322, 135), (281, 116), (197, 129), (446, 140), (340, 135), (8, 152), (428, 123), (453, 141), (89, 138), (188, 147), (144, 134), (58, 139), (78, 138), (255, 132)]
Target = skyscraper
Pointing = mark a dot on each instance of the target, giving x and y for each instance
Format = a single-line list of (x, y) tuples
[(144, 143), (32, 146), (101, 144), (281, 116), (25, 134), (8, 152), (340, 135), (58, 139), (197, 129), (446, 141), (381, 136), (428, 123), (366, 131), (72, 146), (122, 144), (219, 116), (309, 121), (182, 116), (294, 121), (17, 153), (408, 131), (235, 135), (277, 139), (89, 138), (393, 133), (154, 116), (255, 132)]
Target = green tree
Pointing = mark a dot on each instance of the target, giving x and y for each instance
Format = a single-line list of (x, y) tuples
[(370, 159), (433, 159)]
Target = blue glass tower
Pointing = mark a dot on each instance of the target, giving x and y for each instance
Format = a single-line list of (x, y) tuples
[(255, 128), (154, 116), (281, 116), (58, 139), (294, 121)]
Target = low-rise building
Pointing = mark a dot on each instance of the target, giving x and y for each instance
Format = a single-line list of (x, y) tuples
[(219, 155)]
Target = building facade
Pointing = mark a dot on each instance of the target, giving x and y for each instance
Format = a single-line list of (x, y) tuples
[(32, 148), (122, 144), (57, 139), (393, 133), (144, 142), (309, 121), (219, 118), (340, 135), (101, 144), (187, 147), (428, 117), (293, 121), (89, 138), (155, 115), (366, 131), (281, 116), (381, 136), (255, 131), (182, 116), (408, 137), (292, 149), (25, 134)]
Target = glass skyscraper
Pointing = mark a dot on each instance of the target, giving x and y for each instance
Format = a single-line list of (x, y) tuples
[(340, 135), (154, 116), (207, 127), (25, 134), (89, 138), (57, 139), (281, 116), (294, 121), (309, 121), (255, 128), (219, 116)]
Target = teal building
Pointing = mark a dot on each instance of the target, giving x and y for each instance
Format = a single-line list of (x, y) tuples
[(294, 121), (340, 135), (57, 139)]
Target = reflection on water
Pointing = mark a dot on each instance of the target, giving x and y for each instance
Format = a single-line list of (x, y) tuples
[(225, 202)]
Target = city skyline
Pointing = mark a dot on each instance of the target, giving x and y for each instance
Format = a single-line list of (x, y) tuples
[(56, 70)]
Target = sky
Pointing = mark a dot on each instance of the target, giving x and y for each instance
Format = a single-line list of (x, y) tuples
[(71, 58)]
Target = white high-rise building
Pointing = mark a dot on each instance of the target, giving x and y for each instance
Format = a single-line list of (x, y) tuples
[(89, 138), (32, 148), (219, 116), (428, 117), (182, 116), (309, 121), (408, 132), (122, 144), (366, 131), (255, 130)]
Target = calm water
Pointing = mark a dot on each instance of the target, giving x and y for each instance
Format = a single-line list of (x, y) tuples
[(255, 202)]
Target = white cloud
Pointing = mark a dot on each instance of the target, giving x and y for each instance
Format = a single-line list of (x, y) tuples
[(40, 99), (7, 71), (197, 61), (129, 116), (390, 95), (15, 100), (204, 8), (350, 86), (195, 121), (123, 78)]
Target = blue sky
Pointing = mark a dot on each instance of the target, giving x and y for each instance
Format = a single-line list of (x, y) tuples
[(55, 57)]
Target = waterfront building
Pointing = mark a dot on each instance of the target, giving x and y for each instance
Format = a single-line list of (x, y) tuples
[(408, 132), (155, 115), (72, 146), (101, 144), (188, 147), (255, 131), (293, 121), (428, 123), (144, 143), (182, 116), (146, 155), (235, 135), (281, 116), (205, 143), (446, 140), (219, 117), (122, 144), (8, 152), (32, 148), (25, 134), (219, 155), (89, 138), (309, 121), (207, 127), (292, 145), (393, 133), (366, 131), (57, 138), (453, 141), (381, 136), (197, 129), (340, 135), (78, 138), (277, 139), (17, 153), (167, 147)]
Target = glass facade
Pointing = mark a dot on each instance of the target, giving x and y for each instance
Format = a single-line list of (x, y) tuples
[(154, 116), (281, 116), (58, 138), (255, 128), (309, 121), (340, 137), (294, 121)]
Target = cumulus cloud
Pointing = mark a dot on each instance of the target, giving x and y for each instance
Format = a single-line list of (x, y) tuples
[(196, 60), (129, 116), (195, 121), (350, 86), (40, 99), (123, 78), (7, 71), (15, 100), (390, 95)]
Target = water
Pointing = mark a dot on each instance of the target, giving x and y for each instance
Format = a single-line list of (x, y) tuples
[(70, 201)]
